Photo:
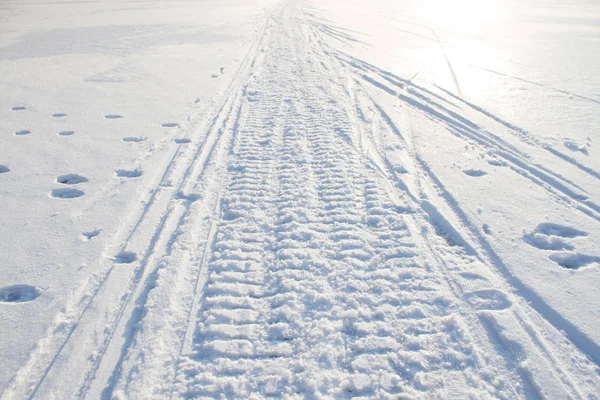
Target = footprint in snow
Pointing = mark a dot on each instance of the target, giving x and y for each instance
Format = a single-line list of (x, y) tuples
[(472, 282), (572, 145), (471, 276), (548, 228), (66, 133), (124, 257), (18, 108), (572, 260), (129, 173), (475, 172), (18, 294), (66, 193), (91, 234), (488, 299), (22, 132), (182, 140), (551, 237), (71, 179), (59, 115), (133, 139)]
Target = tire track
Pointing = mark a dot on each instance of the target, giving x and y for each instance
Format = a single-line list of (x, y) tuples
[(321, 275)]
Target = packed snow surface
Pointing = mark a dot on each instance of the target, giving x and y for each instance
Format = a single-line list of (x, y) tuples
[(299, 199)]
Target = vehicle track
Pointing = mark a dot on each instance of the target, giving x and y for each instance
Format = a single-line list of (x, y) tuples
[(290, 256)]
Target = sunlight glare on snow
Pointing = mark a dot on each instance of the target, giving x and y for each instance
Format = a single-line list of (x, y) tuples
[(458, 14), (470, 23)]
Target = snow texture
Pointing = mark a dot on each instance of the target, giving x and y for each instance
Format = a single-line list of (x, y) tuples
[(299, 199)]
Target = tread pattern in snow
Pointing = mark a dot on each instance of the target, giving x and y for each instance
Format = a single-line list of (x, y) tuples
[(315, 284)]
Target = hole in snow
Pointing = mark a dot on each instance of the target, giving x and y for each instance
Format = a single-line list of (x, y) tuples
[(71, 179), (125, 257), (66, 193), (182, 140), (127, 173), (134, 139), (91, 234), (18, 294), (475, 172)]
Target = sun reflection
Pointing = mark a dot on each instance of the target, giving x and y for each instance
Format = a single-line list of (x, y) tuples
[(464, 33), (464, 14)]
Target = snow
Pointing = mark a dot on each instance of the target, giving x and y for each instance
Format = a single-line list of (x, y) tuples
[(291, 199)]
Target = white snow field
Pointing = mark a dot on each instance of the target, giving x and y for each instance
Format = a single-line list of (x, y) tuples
[(299, 199)]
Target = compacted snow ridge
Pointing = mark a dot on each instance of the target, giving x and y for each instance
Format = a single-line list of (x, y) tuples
[(319, 227)]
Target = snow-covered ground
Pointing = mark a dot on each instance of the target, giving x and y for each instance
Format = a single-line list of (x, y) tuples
[(382, 199)]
